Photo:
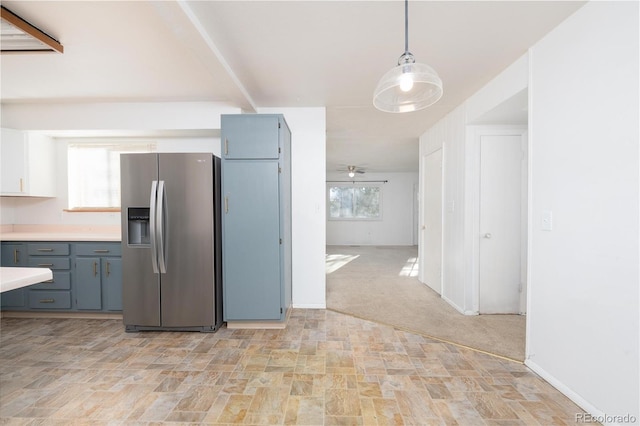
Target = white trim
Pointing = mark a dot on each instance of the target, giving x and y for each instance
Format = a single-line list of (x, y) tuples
[(568, 392), (456, 307), (530, 119), (310, 306)]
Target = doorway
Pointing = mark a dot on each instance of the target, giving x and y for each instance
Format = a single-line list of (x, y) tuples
[(431, 247)]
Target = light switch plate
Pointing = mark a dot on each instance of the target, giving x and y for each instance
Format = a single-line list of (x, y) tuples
[(547, 220)]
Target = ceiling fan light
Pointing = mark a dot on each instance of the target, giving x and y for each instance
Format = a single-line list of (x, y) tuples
[(351, 174), (391, 95)]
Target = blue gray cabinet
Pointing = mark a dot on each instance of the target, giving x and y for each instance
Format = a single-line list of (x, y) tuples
[(86, 276), (56, 293), (13, 255), (256, 237), (98, 276)]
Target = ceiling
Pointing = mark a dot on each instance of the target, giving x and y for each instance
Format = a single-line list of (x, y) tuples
[(254, 54)]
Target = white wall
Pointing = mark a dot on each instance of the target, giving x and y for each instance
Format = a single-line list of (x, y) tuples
[(308, 153), (115, 116), (449, 134), (582, 323), (583, 331), (397, 224), (460, 183)]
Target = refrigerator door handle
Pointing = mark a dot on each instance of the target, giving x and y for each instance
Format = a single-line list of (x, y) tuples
[(163, 223), (153, 224)]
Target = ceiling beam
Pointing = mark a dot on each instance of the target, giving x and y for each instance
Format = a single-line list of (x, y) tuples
[(27, 28), (212, 46)]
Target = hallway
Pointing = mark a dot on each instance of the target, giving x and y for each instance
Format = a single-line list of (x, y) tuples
[(380, 283)]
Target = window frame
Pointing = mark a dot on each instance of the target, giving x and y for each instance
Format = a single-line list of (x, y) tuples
[(124, 144), (355, 185)]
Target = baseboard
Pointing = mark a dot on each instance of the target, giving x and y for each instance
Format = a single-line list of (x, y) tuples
[(566, 391), (456, 307), (266, 325), (310, 306)]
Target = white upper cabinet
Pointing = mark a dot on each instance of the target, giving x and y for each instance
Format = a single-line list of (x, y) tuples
[(27, 163)]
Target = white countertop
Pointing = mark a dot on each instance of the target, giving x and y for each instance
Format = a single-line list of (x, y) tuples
[(12, 278)]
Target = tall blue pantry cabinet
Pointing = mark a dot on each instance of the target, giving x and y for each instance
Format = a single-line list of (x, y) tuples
[(256, 237)]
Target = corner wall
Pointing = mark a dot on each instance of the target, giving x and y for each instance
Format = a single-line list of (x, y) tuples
[(308, 171), (449, 134), (583, 325)]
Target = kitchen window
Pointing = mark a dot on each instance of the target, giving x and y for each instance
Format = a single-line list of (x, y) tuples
[(94, 173), (355, 202)]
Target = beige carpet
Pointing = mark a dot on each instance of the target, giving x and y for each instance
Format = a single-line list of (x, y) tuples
[(380, 283)]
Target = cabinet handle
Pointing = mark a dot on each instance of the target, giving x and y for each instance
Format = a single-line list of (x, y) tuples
[(47, 300), (21, 186), (45, 265), (46, 249), (226, 204), (226, 146), (16, 260), (95, 268), (108, 269), (101, 251)]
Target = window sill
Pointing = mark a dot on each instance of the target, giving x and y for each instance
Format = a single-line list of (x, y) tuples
[(94, 210)]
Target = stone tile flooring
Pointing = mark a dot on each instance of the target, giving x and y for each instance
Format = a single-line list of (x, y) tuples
[(325, 368)]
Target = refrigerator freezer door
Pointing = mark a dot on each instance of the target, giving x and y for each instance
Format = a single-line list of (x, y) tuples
[(187, 290), (140, 286)]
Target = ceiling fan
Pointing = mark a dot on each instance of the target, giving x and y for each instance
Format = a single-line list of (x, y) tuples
[(352, 170)]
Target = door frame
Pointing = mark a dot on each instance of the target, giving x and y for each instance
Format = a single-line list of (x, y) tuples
[(473, 219), (422, 209)]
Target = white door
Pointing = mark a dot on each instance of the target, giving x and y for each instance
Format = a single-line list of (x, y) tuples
[(501, 159), (432, 222)]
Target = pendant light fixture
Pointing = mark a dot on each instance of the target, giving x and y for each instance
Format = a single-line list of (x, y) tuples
[(410, 86)]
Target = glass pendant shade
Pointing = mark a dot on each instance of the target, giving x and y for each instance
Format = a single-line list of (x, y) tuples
[(410, 86)]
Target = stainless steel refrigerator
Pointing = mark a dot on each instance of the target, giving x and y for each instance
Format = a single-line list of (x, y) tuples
[(171, 241)]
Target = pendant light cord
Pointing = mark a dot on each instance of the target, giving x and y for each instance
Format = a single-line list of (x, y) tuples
[(406, 26)]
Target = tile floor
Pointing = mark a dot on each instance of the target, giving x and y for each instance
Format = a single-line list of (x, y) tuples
[(325, 368)]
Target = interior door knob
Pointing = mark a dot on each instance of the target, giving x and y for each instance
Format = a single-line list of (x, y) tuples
[(487, 235)]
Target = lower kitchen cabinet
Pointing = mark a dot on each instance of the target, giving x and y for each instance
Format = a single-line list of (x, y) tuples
[(99, 283), (13, 255), (87, 276), (98, 276), (89, 280), (54, 294), (112, 283)]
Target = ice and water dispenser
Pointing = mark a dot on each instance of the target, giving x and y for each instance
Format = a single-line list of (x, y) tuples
[(139, 230)]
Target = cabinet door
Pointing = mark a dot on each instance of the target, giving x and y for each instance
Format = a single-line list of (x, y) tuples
[(112, 283), (13, 298), (13, 151), (13, 255), (88, 291), (251, 252), (249, 136)]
